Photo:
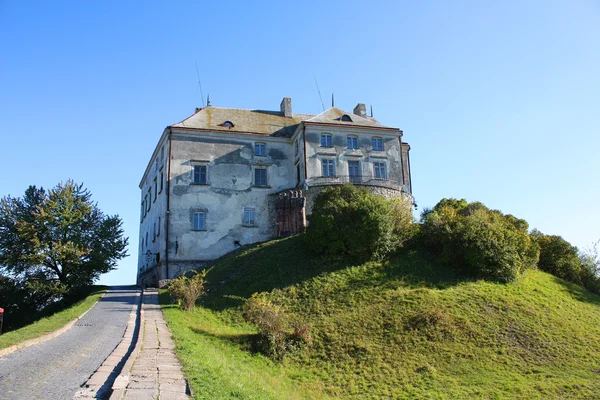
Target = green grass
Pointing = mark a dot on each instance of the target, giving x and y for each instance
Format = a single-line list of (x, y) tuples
[(403, 328), (52, 322)]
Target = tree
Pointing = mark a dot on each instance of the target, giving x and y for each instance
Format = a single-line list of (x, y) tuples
[(58, 240), (352, 223), (481, 242)]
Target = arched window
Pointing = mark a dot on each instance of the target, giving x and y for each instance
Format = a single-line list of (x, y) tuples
[(228, 124), (345, 118)]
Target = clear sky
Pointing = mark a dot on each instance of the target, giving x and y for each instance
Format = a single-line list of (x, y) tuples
[(500, 101)]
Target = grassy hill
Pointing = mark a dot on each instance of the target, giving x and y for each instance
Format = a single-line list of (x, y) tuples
[(403, 328)]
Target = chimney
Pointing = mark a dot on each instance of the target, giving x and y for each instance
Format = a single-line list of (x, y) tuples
[(360, 110), (286, 107)]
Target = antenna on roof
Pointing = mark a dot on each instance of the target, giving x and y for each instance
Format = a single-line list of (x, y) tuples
[(200, 84), (318, 90), (371, 110), (208, 100), (332, 101)]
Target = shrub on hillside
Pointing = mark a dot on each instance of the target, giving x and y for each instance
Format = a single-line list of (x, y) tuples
[(186, 290), (590, 264), (482, 242), (348, 222), (558, 257), (404, 227), (274, 338)]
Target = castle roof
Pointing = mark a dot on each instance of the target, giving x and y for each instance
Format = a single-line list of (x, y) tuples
[(263, 122)]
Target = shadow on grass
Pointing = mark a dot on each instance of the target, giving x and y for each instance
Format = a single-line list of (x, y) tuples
[(282, 263), (578, 292), (13, 322), (243, 340)]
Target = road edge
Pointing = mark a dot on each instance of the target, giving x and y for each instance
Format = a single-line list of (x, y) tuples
[(47, 336), (100, 383)]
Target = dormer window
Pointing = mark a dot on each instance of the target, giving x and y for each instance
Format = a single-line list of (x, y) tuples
[(345, 118), (228, 124)]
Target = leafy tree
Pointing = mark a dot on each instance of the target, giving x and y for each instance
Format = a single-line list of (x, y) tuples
[(558, 257), (58, 240), (353, 223), (482, 242)]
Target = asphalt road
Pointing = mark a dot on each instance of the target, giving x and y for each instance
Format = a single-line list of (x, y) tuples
[(57, 368)]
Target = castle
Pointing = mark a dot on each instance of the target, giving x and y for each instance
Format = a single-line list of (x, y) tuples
[(223, 178)]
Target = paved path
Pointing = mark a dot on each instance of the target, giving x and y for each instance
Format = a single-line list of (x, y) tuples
[(154, 371), (57, 368)]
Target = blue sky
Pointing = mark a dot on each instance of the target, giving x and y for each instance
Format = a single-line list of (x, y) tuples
[(500, 101)]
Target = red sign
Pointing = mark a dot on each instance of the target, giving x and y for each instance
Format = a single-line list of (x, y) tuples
[(1, 310)]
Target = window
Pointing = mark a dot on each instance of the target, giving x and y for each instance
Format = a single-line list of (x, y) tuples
[(155, 188), (326, 140), (146, 239), (354, 171), (377, 143), (162, 153), (260, 177), (162, 181), (352, 142), (154, 233), (249, 219), (259, 149), (328, 166), (345, 118), (228, 124), (147, 203), (199, 221), (149, 198), (380, 170), (200, 174), (142, 213), (158, 228)]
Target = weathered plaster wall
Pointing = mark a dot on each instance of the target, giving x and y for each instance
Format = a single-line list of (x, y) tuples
[(153, 221), (365, 155), (230, 163)]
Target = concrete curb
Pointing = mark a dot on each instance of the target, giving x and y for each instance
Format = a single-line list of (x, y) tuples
[(97, 386), (120, 384), (47, 336)]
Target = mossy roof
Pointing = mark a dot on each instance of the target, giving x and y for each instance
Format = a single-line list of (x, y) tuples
[(266, 122)]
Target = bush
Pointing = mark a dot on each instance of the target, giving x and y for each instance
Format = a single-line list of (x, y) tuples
[(590, 268), (352, 223), (186, 290), (558, 257), (404, 227), (274, 338), (483, 243)]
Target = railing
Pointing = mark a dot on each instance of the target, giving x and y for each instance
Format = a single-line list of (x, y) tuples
[(356, 180)]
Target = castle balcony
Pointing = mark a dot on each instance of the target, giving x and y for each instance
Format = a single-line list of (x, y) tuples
[(355, 180)]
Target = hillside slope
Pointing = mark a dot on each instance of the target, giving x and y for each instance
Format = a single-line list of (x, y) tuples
[(404, 328)]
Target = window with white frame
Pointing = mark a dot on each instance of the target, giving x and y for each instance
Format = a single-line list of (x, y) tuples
[(259, 149), (380, 169), (377, 143), (249, 217), (199, 175), (199, 221), (326, 140), (352, 142), (328, 167), (260, 177)]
